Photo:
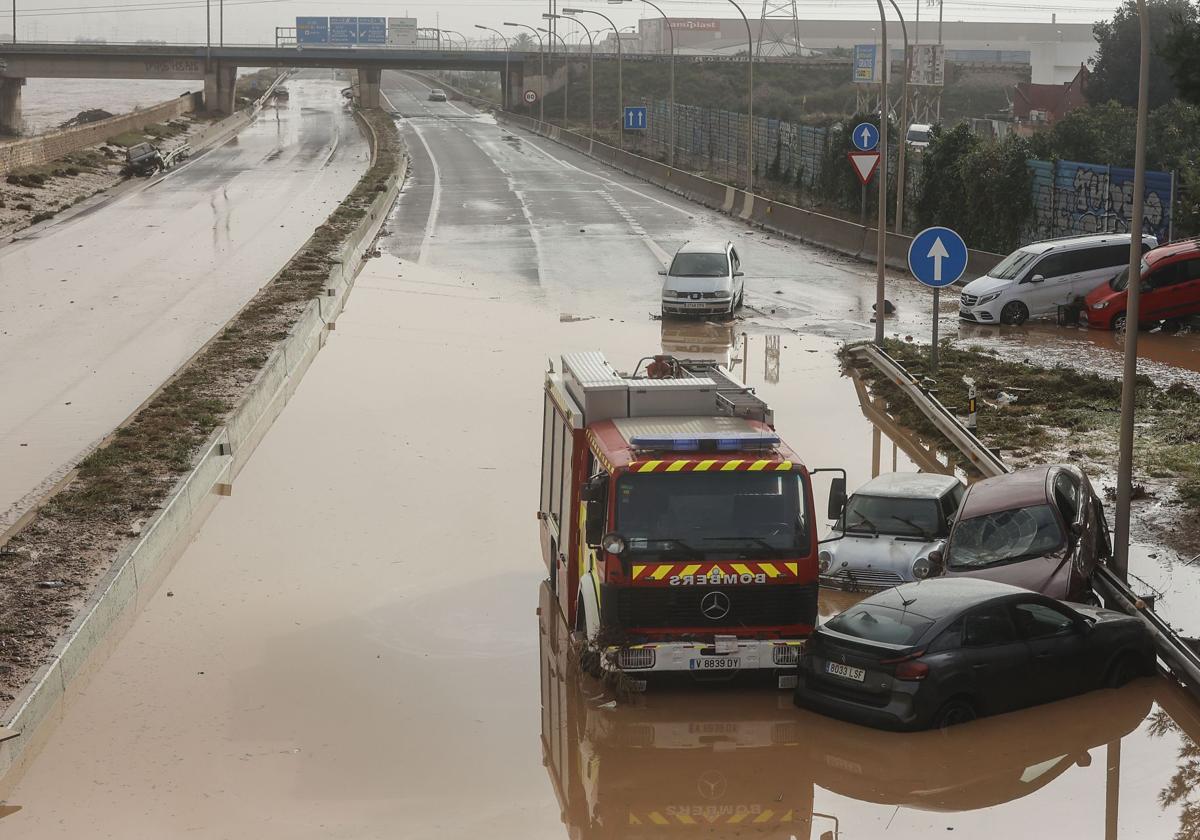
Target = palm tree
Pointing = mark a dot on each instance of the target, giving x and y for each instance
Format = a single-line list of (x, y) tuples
[(522, 43)]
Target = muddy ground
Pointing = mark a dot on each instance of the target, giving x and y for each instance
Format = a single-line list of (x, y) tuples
[(51, 567)]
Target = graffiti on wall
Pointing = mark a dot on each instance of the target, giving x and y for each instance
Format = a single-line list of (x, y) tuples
[(1072, 198)]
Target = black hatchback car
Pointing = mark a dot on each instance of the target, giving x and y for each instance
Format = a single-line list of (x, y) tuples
[(944, 651)]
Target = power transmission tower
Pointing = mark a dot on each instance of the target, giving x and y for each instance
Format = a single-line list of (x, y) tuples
[(778, 29)]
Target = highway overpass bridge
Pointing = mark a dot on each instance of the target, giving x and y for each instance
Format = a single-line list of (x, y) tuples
[(217, 66)]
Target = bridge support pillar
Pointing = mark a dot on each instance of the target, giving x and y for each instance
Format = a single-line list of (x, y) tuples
[(10, 105), (514, 87), (368, 87), (219, 89)]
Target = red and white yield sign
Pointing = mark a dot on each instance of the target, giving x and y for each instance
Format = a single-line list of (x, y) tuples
[(865, 164)]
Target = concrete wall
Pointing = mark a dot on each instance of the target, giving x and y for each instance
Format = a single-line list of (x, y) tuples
[(44, 148), (141, 567)]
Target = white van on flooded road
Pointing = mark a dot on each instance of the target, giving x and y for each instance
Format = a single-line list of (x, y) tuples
[(1034, 280)]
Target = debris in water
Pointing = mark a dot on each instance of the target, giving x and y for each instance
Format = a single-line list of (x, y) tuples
[(51, 584), (567, 318)]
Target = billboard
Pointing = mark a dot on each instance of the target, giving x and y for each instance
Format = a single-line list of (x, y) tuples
[(928, 63), (312, 30), (695, 24), (402, 32), (864, 63)]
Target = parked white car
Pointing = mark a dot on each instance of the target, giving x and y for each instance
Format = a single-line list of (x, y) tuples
[(887, 530), (918, 135), (1033, 281), (705, 278)]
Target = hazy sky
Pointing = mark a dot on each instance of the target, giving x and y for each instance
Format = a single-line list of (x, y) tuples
[(254, 21)]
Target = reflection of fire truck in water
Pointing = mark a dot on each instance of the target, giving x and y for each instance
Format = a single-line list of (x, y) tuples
[(633, 771), (677, 528)]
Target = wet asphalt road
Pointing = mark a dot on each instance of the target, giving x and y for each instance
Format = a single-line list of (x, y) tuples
[(351, 647), (98, 310)]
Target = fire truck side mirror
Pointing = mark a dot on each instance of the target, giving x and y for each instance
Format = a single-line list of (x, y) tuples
[(595, 496), (837, 497)]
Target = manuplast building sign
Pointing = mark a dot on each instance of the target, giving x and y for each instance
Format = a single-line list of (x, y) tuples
[(696, 24)]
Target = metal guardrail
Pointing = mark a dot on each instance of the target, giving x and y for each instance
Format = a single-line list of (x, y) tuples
[(1181, 659)]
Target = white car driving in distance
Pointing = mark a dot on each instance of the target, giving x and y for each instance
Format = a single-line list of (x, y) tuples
[(705, 278), (887, 530), (1036, 279)]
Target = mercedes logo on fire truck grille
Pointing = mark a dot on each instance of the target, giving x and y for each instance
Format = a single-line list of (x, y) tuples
[(715, 606)]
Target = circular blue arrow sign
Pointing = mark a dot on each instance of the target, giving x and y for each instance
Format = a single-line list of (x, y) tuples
[(865, 137), (937, 256)]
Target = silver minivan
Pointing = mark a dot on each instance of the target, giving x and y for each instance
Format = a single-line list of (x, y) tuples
[(1036, 279), (705, 278)]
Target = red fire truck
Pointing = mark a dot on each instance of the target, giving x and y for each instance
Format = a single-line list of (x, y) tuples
[(677, 528)]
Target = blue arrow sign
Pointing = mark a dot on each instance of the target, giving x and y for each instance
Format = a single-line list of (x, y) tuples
[(635, 118), (937, 256), (865, 137)]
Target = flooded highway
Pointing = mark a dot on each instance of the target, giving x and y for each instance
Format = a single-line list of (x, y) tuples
[(351, 646), (358, 643), (97, 310)]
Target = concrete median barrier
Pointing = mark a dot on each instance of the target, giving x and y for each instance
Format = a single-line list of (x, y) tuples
[(140, 567)]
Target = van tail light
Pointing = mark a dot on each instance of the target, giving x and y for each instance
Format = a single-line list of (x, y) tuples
[(909, 667)]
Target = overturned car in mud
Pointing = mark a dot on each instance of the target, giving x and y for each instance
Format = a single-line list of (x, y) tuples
[(1041, 528)]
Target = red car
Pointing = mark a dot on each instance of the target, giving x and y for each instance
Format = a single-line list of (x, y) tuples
[(1170, 289)]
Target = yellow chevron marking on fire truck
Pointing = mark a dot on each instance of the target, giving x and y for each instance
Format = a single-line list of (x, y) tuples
[(792, 567), (737, 818), (661, 571), (704, 466), (633, 820), (765, 816), (783, 466), (758, 465), (676, 466), (637, 571), (649, 466), (741, 569), (690, 569), (730, 465), (658, 819), (685, 819), (770, 569)]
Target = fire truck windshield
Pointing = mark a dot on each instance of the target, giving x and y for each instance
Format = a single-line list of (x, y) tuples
[(717, 515)]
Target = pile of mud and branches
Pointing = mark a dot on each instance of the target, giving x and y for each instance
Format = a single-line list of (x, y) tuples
[(1034, 414), (51, 567)]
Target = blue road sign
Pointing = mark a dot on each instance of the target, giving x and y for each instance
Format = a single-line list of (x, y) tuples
[(343, 30), (372, 30), (937, 256), (635, 119), (865, 137), (312, 30)]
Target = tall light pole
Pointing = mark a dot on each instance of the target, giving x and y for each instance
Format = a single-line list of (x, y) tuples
[(459, 34), (1134, 295), (591, 80), (620, 81), (750, 97), (566, 68), (542, 64), (903, 129), (881, 219), (671, 30), (504, 87)]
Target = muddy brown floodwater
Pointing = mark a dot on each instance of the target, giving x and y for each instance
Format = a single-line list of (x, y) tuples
[(351, 646)]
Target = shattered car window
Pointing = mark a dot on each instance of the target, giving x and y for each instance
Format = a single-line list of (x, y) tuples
[(1004, 537)]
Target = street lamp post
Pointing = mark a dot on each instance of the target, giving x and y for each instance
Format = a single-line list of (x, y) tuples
[(504, 97), (881, 219), (1134, 294), (541, 64), (903, 136), (566, 68), (750, 105), (671, 30), (620, 80), (591, 81), (459, 34)]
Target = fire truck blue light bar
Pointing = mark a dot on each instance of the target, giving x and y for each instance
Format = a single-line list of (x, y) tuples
[(714, 441)]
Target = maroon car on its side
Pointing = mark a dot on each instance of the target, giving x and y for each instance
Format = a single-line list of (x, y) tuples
[(1041, 528)]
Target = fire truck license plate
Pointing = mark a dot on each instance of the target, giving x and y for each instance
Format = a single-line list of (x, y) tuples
[(713, 663)]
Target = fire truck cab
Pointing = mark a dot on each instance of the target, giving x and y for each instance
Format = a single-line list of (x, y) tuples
[(677, 528)]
